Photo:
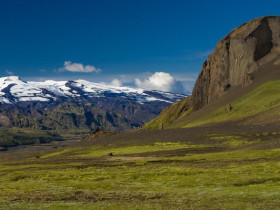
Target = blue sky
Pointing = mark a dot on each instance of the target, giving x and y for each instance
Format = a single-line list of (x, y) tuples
[(117, 39)]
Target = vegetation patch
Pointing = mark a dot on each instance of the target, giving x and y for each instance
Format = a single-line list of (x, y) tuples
[(133, 177)]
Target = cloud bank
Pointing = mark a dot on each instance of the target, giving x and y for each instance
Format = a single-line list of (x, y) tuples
[(78, 67), (116, 82), (160, 81)]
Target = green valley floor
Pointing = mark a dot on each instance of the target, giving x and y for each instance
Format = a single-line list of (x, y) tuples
[(193, 168)]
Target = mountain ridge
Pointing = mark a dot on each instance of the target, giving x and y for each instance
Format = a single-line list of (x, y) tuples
[(48, 90), (77, 105)]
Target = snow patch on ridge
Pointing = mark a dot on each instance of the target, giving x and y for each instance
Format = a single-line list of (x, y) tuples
[(13, 89)]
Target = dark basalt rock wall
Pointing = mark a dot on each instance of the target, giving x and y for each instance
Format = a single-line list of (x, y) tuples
[(241, 53)]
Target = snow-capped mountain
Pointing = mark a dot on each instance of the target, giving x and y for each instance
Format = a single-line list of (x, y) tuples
[(13, 90), (78, 105)]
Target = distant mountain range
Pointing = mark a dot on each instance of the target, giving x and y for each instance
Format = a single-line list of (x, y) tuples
[(79, 104)]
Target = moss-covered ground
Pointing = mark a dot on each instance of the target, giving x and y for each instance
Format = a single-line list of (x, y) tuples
[(222, 171)]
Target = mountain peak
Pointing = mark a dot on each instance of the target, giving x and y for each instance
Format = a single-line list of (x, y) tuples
[(13, 78), (78, 104), (14, 90), (10, 79)]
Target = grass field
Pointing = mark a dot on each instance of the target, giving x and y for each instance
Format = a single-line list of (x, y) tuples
[(222, 171)]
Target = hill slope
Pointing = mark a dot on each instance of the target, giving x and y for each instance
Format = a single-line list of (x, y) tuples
[(260, 106), (245, 59)]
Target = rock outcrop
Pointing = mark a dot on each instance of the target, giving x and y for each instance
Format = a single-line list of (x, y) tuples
[(236, 57), (98, 133), (238, 60)]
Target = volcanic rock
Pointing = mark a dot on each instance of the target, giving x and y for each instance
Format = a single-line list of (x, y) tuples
[(236, 57)]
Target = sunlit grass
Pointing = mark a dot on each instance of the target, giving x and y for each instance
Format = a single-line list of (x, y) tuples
[(98, 151), (87, 178), (260, 100)]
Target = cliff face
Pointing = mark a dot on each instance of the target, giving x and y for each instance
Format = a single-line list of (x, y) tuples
[(238, 60), (241, 53)]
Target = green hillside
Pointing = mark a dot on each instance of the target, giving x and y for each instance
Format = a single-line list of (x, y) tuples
[(170, 114), (258, 106)]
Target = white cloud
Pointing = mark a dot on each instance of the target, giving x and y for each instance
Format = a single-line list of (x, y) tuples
[(188, 88), (9, 72), (78, 67), (181, 83), (160, 81), (116, 82)]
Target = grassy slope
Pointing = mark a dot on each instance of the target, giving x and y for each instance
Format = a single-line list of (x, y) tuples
[(170, 114), (147, 176), (262, 101)]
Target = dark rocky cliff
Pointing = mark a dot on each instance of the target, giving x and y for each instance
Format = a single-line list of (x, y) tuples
[(236, 57), (233, 65)]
